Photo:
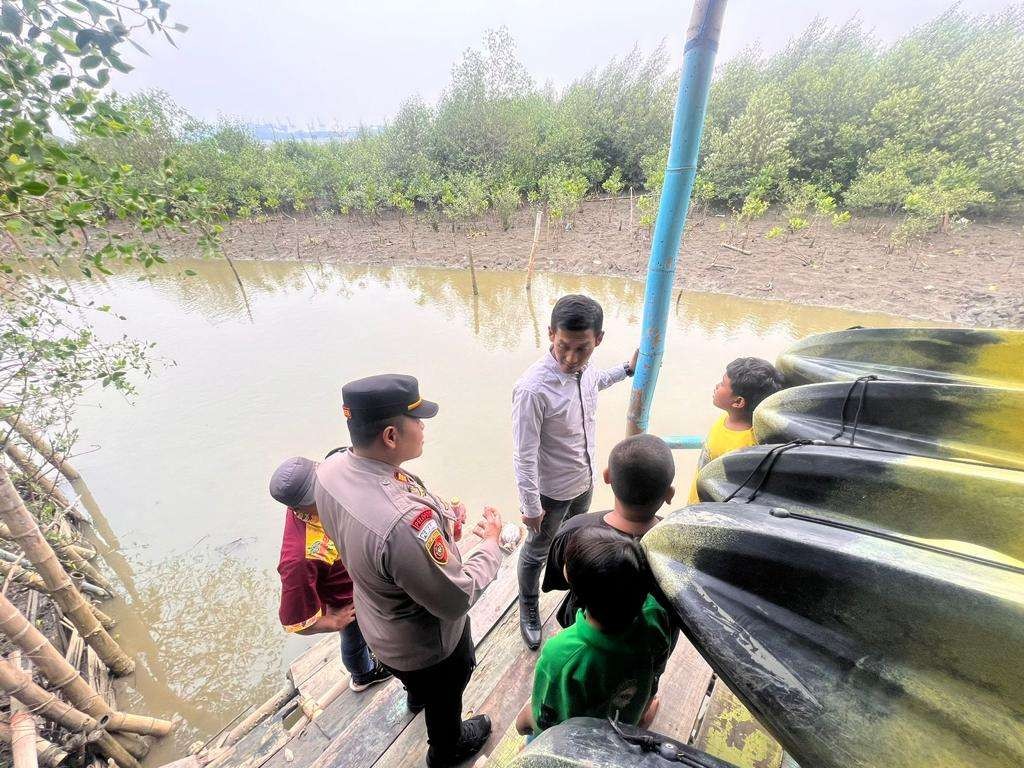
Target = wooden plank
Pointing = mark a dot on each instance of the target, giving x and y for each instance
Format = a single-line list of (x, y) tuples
[(729, 732), (370, 724), (501, 684), (509, 745), (681, 691), (306, 669)]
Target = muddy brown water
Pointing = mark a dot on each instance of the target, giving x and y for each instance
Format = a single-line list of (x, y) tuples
[(181, 471)]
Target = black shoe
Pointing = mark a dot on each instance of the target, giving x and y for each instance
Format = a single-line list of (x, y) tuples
[(413, 705), (529, 623), (475, 733), (378, 674)]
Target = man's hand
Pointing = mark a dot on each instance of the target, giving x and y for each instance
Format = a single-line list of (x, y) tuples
[(460, 519), (340, 618), (533, 523), (632, 363), (490, 526)]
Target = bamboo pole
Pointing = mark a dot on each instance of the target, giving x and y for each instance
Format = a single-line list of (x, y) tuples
[(81, 583), (20, 686), (134, 745), (32, 580), (38, 441), (533, 248), (140, 724), (64, 677), (472, 271), (36, 474), (28, 536), (47, 753), (23, 728), (261, 713)]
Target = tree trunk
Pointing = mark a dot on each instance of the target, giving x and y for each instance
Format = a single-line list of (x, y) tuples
[(26, 533), (20, 686)]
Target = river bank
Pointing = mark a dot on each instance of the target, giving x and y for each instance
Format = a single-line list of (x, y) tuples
[(971, 276)]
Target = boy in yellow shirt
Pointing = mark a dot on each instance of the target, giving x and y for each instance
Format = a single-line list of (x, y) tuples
[(747, 381)]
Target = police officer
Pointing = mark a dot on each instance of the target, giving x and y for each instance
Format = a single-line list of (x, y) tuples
[(413, 587)]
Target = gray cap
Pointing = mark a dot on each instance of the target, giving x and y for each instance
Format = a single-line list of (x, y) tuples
[(292, 482)]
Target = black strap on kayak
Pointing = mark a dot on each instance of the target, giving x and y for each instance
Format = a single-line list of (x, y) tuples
[(863, 381), (909, 541), (767, 462)]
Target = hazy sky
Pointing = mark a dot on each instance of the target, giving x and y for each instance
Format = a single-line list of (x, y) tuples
[(343, 63)]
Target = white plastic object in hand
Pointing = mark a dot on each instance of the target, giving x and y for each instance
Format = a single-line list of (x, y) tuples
[(508, 540)]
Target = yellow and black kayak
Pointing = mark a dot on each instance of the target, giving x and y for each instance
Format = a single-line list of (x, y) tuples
[(854, 649), (992, 358), (961, 421), (976, 510)]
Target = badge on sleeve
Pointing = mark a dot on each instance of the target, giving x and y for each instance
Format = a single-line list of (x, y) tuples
[(437, 548)]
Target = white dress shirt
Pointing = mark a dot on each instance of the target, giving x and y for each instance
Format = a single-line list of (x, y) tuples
[(553, 430)]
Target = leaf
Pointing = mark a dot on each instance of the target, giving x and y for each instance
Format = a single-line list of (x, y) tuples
[(59, 82), (91, 61), (64, 42), (21, 130), (36, 188), (115, 61), (10, 19), (191, 272)]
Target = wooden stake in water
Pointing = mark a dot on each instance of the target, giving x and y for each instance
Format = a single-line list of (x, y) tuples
[(472, 271), (533, 248)]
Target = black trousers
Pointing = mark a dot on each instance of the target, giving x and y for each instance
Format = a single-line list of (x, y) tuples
[(439, 688)]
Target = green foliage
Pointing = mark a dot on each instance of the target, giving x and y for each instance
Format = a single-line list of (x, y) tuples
[(59, 199), (866, 124), (562, 189), (613, 185), (505, 201)]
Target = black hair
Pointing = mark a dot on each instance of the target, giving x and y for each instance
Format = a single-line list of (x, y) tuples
[(642, 470), (608, 573), (753, 379), (365, 433), (576, 312)]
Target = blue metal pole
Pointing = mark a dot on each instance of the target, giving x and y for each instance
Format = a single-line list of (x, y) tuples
[(687, 126)]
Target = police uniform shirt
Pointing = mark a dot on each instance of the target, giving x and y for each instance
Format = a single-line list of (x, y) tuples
[(413, 589)]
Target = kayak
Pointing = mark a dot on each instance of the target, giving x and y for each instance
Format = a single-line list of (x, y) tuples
[(956, 355), (961, 421), (974, 509), (852, 649), (586, 742)]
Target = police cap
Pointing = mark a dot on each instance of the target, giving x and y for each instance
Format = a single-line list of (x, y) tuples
[(379, 397)]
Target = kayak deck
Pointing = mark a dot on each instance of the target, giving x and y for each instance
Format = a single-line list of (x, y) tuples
[(374, 728)]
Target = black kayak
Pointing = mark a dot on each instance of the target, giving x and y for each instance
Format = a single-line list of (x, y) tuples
[(853, 649), (585, 742), (951, 355), (974, 509), (963, 421)]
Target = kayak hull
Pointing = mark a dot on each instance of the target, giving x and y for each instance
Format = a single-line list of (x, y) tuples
[(973, 509), (992, 358), (960, 421), (852, 650)]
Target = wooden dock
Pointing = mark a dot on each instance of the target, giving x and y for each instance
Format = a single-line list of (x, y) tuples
[(374, 728)]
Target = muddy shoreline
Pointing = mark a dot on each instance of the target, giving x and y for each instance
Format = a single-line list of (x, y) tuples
[(971, 277)]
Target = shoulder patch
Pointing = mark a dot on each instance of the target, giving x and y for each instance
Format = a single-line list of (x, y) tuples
[(421, 519), (437, 548), (401, 477), (428, 530)]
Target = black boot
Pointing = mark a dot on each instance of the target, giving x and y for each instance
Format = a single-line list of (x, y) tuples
[(529, 621), (474, 735)]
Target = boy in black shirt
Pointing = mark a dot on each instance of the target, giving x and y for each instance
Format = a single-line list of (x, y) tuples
[(640, 471)]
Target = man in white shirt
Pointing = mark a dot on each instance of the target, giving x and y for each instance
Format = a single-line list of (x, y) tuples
[(554, 405)]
